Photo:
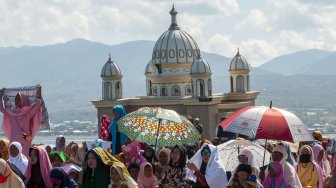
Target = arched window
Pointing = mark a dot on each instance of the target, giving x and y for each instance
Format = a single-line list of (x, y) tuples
[(209, 87), (188, 90), (155, 91), (200, 88), (163, 91), (176, 90), (150, 93), (240, 84), (107, 91), (118, 90)]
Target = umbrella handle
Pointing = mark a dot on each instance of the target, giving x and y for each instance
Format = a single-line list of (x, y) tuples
[(264, 153), (157, 133)]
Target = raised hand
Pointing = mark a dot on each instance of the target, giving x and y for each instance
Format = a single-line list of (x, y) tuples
[(39, 91)]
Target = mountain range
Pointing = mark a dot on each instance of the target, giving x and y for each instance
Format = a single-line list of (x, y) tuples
[(70, 73)]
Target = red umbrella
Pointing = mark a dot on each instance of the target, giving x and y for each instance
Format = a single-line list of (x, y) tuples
[(262, 122)]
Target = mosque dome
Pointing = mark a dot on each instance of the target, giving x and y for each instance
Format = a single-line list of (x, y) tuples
[(175, 46), (110, 69), (200, 66), (239, 63)]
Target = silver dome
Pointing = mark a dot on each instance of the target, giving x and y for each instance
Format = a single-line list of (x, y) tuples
[(200, 66), (175, 46), (239, 63), (110, 69)]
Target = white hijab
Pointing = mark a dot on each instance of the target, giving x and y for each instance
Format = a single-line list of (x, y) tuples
[(20, 161), (291, 177), (215, 173)]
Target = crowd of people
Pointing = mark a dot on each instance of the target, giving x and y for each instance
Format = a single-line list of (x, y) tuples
[(129, 163)]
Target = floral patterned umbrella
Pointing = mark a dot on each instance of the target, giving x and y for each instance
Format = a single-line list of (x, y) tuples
[(159, 127)]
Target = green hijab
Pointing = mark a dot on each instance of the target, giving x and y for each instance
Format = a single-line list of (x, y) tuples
[(64, 157), (100, 176)]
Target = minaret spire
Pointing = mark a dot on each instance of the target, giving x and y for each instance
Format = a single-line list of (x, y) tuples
[(173, 25)]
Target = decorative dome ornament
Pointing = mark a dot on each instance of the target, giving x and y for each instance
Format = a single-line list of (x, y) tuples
[(110, 69), (239, 63), (175, 46), (200, 66)]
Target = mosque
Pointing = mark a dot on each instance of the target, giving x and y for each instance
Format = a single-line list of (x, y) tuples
[(178, 78)]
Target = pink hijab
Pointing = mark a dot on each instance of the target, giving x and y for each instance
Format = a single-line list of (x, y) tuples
[(145, 182), (134, 150), (324, 163), (45, 166), (279, 179)]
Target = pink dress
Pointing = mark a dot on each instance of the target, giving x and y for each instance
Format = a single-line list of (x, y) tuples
[(22, 120)]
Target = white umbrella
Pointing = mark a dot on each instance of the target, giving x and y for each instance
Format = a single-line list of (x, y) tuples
[(229, 151)]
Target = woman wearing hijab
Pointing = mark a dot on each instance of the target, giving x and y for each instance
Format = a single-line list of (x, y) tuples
[(163, 156), (96, 174), (22, 123), (8, 179), (245, 156), (290, 158), (243, 178), (207, 167), (321, 160), (119, 177), (58, 158), (279, 154), (61, 179), (4, 143), (105, 123), (38, 169), (60, 143), (146, 177), (72, 150), (118, 138), (310, 174), (176, 173), (16, 157), (275, 177), (149, 154)]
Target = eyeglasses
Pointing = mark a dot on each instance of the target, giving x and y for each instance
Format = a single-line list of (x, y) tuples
[(203, 153)]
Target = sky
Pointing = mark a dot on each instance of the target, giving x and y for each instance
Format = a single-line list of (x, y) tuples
[(261, 29)]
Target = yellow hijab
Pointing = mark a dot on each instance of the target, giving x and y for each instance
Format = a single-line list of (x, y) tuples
[(13, 180), (109, 160), (4, 154), (307, 173)]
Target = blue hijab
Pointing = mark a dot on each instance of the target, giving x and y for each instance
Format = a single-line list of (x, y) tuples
[(58, 173), (113, 128)]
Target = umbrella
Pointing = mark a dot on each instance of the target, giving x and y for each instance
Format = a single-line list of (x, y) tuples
[(159, 127), (267, 123), (229, 151)]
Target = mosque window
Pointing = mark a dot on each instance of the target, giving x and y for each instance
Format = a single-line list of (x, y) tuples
[(155, 91), (188, 90), (189, 53), (118, 90), (240, 84), (181, 53), (209, 87), (176, 91), (107, 91), (163, 53), (171, 53), (200, 88), (163, 91)]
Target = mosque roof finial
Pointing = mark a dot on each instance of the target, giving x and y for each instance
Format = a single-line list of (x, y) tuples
[(173, 25), (238, 51), (109, 56)]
